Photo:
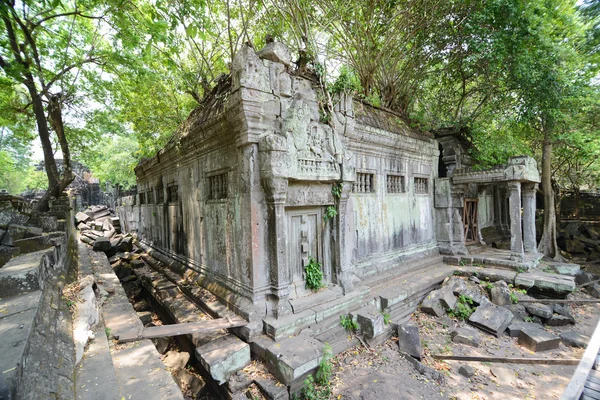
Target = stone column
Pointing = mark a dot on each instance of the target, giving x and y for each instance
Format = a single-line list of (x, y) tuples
[(516, 237), (343, 253), (276, 189), (529, 239)]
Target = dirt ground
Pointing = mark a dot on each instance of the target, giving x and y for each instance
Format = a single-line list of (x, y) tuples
[(382, 373)]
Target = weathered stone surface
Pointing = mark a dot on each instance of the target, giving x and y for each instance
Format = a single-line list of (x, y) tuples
[(432, 304), (126, 244), (558, 320), (136, 263), (447, 299), (575, 339), (545, 282), (539, 309), (6, 253), (518, 311), (145, 317), (491, 318), (276, 52), (189, 383), (593, 290), (102, 244), (564, 268), (81, 217), (223, 356), (161, 344), (291, 358), (176, 360), (409, 340), (466, 370), (370, 322), (83, 227), (563, 310), (500, 294), (466, 336), (585, 277), (515, 327), (142, 305), (456, 284), (272, 389), (425, 370), (537, 339)]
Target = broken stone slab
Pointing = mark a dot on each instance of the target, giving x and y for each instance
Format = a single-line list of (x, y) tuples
[(456, 284), (409, 340), (553, 284), (466, 370), (176, 360), (563, 310), (8, 252), (425, 370), (575, 339), (81, 217), (593, 290), (83, 227), (537, 339), (541, 310), (447, 298), (276, 52), (585, 277), (102, 244), (461, 287), (223, 357), (432, 304), (293, 357), (500, 294), (466, 336), (18, 232), (272, 389), (491, 318), (370, 321), (145, 317), (137, 263), (518, 311), (106, 226), (565, 268), (189, 383), (558, 320), (515, 327)]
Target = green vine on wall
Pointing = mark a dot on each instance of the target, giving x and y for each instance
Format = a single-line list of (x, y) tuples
[(336, 191)]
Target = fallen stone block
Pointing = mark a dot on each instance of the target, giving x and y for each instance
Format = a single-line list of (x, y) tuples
[(585, 277), (541, 310), (276, 52), (552, 284), (456, 284), (563, 310), (369, 320), (593, 290), (518, 311), (466, 370), (425, 370), (83, 227), (537, 339), (409, 340), (575, 339), (447, 298), (18, 232), (272, 389), (145, 317), (106, 226), (102, 244), (136, 263), (564, 268), (189, 383), (8, 252), (161, 344), (558, 320), (176, 360), (500, 294), (491, 318), (432, 305), (81, 217), (223, 357), (466, 336), (291, 358), (515, 327)]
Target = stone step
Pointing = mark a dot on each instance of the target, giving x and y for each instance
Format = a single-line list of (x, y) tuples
[(138, 368), (17, 316), (223, 357), (390, 276), (23, 273), (95, 377)]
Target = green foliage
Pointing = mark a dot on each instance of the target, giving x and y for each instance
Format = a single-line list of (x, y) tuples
[(325, 367), (463, 309), (488, 285), (528, 319), (312, 392), (346, 82), (336, 189), (330, 212), (314, 275), (107, 331), (514, 298), (387, 318), (348, 323)]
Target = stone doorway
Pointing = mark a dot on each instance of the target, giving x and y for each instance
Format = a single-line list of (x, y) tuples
[(306, 235), (470, 221)]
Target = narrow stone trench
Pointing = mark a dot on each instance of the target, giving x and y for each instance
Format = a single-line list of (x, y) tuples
[(178, 352)]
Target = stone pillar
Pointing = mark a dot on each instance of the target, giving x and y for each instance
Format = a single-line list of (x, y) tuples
[(529, 239), (276, 188), (343, 252), (516, 237)]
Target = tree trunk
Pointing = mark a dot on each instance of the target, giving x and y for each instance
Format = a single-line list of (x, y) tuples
[(548, 246)]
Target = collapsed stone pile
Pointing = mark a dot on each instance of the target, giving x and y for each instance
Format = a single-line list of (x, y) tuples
[(101, 229), (579, 240), (498, 308)]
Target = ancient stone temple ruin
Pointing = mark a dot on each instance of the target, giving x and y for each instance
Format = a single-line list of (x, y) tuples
[(261, 179)]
